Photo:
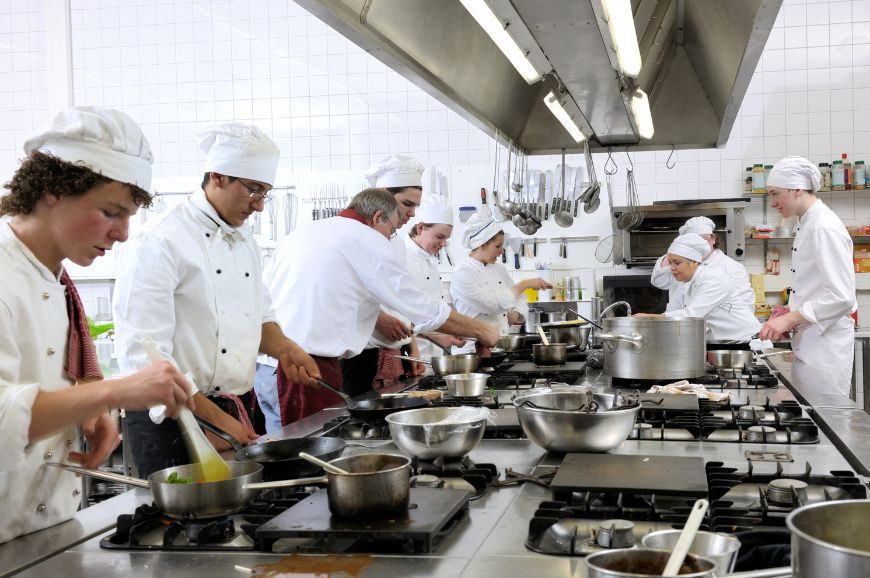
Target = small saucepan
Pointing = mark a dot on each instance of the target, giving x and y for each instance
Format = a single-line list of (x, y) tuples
[(449, 364), (466, 384), (552, 354)]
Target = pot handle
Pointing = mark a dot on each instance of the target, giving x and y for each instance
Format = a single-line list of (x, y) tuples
[(286, 483), (99, 474), (635, 339), (781, 572), (237, 445)]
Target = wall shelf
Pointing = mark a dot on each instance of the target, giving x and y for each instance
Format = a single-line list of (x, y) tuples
[(776, 283)]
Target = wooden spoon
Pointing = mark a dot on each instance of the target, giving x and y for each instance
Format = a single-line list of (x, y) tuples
[(690, 530), (325, 465), (543, 335)]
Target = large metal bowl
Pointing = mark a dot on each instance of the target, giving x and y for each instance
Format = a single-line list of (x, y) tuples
[(466, 384), (416, 433), (552, 421), (730, 358)]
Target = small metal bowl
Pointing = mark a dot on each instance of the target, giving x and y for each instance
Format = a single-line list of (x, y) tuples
[(466, 384)]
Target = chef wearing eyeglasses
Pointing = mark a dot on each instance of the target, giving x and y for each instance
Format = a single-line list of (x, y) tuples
[(191, 280)]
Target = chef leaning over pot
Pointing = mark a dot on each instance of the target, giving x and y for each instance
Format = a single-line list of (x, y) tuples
[(715, 259), (191, 280), (823, 278), (71, 198), (708, 293), (481, 286)]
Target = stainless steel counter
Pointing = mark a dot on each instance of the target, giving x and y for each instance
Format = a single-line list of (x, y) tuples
[(489, 542)]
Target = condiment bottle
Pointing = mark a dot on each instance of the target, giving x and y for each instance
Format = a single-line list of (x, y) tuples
[(838, 177), (747, 183), (758, 180), (825, 169), (847, 172), (859, 181)]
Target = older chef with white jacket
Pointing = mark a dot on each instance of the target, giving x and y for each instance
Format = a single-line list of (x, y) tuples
[(71, 198), (715, 259), (823, 277), (480, 285), (191, 280), (709, 293)]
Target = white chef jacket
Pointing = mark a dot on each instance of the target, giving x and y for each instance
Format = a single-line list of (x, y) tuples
[(664, 279), (34, 330), (194, 285), (378, 339), (328, 280), (710, 294), (423, 269), (484, 292), (823, 290)]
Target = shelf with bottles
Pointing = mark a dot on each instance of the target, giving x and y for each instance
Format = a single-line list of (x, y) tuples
[(856, 239), (776, 283)]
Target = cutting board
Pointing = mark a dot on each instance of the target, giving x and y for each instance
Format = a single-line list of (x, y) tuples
[(667, 475), (672, 402)]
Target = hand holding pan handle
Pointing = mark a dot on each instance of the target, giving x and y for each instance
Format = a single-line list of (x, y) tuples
[(337, 391)]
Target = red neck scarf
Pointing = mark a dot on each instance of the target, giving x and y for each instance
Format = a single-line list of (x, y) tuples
[(81, 363), (351, 214)]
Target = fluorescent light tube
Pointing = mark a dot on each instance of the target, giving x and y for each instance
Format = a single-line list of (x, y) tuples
[(496, 30), (560, 113), (620, 21), (642, 114)]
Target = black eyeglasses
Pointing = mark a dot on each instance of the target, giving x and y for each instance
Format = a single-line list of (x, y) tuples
[(257, 192)]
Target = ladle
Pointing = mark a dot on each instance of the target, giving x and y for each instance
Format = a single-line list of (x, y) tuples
[(214, 468), (690, 530), (325, 465)]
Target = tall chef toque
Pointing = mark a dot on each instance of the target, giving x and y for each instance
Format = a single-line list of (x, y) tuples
[(699, 225), (240, 150), (396, 171), (434, 210), (691, 246), (795, 173), (479, 229), (105, 140)]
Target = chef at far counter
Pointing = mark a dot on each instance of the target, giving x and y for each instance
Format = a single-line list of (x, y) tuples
[(481, 286), (823, 277), (715, 259), (709, 293)]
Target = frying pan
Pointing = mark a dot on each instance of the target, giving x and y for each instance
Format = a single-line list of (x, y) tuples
[(495, 358), (280, 458), (375, 410)]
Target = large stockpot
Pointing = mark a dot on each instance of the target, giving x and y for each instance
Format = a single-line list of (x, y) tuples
[(438, 432), (553, 419), (653, 347), (830, 539)]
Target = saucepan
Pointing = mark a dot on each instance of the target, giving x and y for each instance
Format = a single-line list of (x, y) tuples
[(551, 354), (496, 354), (376, 485), (634, 563), (737, 358), (374, 410), (280, 458), (449, 364), (511, 342), (466, 384)]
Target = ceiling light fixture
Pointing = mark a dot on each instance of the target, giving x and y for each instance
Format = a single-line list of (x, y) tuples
[(620, 22), (560, 113), (642, 114), (493, 26)]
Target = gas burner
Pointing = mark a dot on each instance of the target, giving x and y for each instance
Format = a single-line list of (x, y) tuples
[(478, 476), (614, 534), (787, 492)]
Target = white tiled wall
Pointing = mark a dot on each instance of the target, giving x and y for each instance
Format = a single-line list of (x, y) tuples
[(23, 82), (179, 65)]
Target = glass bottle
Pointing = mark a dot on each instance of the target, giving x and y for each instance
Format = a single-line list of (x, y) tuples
[(847, 172), (859, 181), (758, 180), (825, 183), (747, 182), (838, 177)]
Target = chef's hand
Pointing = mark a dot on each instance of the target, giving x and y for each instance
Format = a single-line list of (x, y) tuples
[(298, 366), (778, 328), (488, 335), (102, 436), (392, 327), (417, 368), (666, 262), (514, 317), (647, 315), (233, 427), (159, 383), (446, 340), (482, 350), (537, 283)]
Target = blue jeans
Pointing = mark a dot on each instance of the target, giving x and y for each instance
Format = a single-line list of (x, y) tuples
[(266, 386)]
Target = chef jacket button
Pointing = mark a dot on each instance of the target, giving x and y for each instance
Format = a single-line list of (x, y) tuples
[(76, 493), (247, 274), (45, 296), (208, 234), (218, 271), (217, 388), (427, 278), (50, 351), (48, 455), (68, 443), (794, 248), (223, 350), (41, 508)]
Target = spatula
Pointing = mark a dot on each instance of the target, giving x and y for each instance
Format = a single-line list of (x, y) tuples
[(214, 468), (543, 335), (690, 530)]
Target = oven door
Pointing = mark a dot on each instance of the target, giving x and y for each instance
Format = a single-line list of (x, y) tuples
[(637, 290)]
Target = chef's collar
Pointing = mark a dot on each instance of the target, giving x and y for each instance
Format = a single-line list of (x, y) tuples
[(199, 200), (6, 232), (812, 212), (354, 216), (415, 248)]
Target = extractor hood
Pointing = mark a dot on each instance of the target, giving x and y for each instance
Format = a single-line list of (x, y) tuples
[(698, 58)]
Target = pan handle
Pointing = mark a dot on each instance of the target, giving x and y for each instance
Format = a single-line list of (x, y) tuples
[(337, 391), (409, 358), (237, 445), (108, 476), (446, 350), (286, 483)]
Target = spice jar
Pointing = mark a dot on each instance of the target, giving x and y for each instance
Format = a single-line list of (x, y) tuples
[(838, 177), (747, 182), (758, 180), (825, 182), (859, 181)]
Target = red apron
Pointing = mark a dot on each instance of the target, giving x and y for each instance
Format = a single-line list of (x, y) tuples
[(297, 401)]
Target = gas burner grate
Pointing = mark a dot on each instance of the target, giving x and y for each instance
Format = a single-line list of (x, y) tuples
[(480, 476)]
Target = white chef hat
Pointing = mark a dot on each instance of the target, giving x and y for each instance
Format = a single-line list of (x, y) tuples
[(396, 171), (699, 225), (105, 140), (795, 173), (479, 229), (691, 246), (241, 150), (434, 210)]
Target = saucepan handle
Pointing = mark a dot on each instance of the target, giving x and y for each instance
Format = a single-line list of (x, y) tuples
[(635, 339), (99, 474), (409, 358), (286, 483)]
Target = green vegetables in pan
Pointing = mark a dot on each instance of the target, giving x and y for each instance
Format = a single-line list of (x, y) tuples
[(175, 479)]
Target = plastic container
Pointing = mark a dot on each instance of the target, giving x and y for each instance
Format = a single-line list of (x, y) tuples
[(767, 169), (859, 182), (838, 177), (758, 179), (825, 169), (466, 212), (747, 182)]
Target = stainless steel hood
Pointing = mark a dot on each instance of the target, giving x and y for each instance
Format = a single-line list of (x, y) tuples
[(698, 58)]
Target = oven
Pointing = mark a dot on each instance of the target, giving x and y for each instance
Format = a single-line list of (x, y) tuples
[(637, 290), (662, 221)]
